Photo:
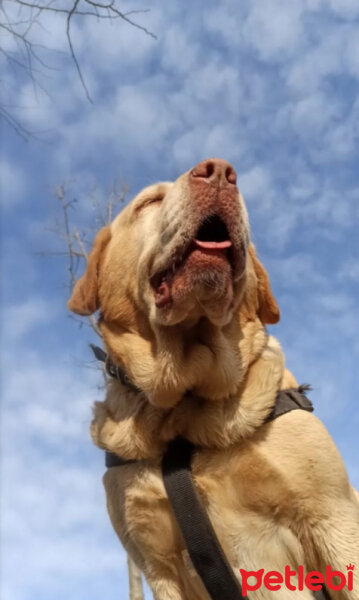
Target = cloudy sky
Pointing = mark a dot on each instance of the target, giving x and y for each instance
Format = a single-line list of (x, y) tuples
[(270, 86)]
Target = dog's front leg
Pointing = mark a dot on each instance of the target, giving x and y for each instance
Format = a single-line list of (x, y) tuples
[(165, 589), (163, 580), (337, 543)]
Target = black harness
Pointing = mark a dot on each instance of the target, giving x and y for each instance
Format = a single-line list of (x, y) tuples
[(201, 541)]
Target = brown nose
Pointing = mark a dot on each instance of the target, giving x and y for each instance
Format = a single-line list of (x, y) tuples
[(215, 170)]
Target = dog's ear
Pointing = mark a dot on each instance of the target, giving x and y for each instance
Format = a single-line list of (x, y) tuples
[(84, 299), (268, 310)]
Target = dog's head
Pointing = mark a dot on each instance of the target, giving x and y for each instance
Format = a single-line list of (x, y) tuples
[(177, 253)]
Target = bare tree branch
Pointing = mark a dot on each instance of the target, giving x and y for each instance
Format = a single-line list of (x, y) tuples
[(29, 57), (60, 195), (72, 51), (75, 250)]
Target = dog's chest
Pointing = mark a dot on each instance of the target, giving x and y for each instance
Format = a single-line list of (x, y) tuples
[(248, 507)]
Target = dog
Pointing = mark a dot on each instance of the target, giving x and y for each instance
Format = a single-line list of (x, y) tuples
[(183, 306)]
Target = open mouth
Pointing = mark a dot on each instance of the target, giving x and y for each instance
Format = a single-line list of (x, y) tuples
[(212, 237), (213, 234)]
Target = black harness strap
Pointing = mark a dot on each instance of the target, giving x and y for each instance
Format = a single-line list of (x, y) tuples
[(291, 399), (112, 369), (198, 533), (201, 541), (113, 460), (200, 538)]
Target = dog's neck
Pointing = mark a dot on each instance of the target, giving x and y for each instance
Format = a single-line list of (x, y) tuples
[(233, 376), (167, 362)]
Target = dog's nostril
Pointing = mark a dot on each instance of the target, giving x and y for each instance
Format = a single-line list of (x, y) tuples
[(231, 175), (209, 169), (204, 170), (215, 169)]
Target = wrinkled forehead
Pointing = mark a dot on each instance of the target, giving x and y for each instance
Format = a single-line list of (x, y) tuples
[(151, 194), (154, 192)]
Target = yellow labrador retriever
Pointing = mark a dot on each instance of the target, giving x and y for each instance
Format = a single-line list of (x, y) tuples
[(183, 303)]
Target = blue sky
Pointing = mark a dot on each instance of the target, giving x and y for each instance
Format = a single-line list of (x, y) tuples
[(271, 87)]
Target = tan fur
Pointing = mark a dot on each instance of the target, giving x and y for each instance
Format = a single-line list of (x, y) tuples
[(276, 493), (84, 300)]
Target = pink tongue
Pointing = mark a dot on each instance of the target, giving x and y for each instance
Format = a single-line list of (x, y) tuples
[(213, 245)]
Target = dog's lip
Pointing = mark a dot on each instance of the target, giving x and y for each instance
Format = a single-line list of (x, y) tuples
[(161, 281), (211, 226)]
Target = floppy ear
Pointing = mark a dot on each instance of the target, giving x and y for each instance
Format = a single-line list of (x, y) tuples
[(268, 310), (84, 299)]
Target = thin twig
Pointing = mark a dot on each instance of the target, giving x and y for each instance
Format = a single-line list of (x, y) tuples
[(27, 56), (79, 240), (74, 241), (72, 51), (60, 194)]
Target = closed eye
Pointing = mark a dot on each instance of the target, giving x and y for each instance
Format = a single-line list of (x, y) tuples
[(150, 201)]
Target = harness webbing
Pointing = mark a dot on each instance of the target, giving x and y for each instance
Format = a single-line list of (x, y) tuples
[(200, 538), (203, 546), (198, 533)]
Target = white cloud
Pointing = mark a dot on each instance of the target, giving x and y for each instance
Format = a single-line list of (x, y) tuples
[(304, 186), (49, 32), (55, 521), (351, 52), (256, 184), (270, 88), (202, 142), (12, 183), (175, 44), (306, 73), (330, 208), (341, 136), (295, 269), (334, 303), (226, 22), (104, 46), (347, 9), (350, 271), (40, 108), (142, 117), (224, 141), (215, 81), (188, 148), (21, 319), (314, 113), (275, 30)]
